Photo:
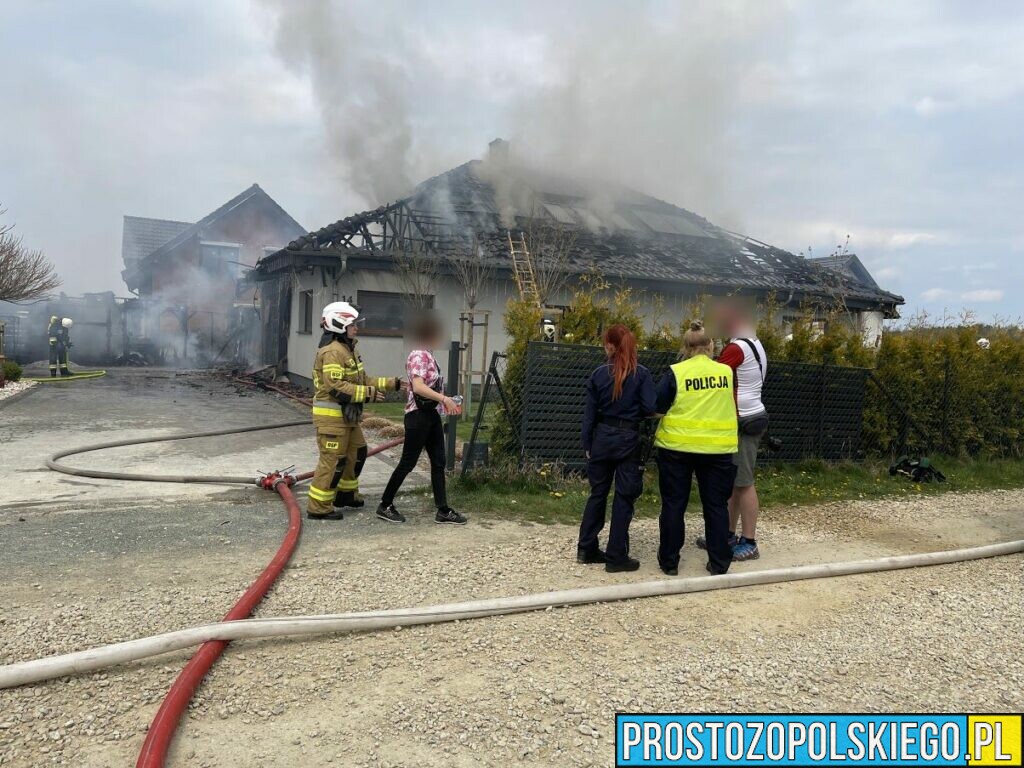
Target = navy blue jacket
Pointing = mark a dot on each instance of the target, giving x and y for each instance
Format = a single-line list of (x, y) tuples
[(635, 403)]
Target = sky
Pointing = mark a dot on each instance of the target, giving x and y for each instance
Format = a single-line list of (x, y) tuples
[(796, 122)]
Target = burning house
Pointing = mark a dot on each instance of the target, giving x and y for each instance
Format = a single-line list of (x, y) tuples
[(191, 277), (495, 211)]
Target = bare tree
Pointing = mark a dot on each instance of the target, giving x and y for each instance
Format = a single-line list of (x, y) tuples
[(470, 270), (550, 244), (417, 273), (24, 274)]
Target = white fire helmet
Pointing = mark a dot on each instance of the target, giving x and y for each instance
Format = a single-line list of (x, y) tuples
[(67, 322), (984, 343), (338, 316)]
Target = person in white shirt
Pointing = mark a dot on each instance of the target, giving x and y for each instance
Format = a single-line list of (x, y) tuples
[(746, 356)]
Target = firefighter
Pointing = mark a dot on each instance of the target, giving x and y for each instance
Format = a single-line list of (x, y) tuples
[(341, 387), (697, 435), (59, 332)]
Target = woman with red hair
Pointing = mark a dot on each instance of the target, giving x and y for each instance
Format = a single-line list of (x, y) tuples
[(620, 395)]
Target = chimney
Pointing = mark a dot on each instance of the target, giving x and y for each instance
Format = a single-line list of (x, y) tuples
[(498, 152)]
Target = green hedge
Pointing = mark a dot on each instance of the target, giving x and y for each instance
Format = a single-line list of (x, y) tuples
[(938, 390)]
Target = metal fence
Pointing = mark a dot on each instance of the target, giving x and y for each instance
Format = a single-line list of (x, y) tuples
[(816, 411)]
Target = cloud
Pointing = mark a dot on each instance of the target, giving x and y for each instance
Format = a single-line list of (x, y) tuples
[(983, 295), (936, 294)]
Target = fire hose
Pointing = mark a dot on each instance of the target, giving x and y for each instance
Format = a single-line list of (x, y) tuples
[(213, 638), (161, 731), (27, 672), (72, 377)]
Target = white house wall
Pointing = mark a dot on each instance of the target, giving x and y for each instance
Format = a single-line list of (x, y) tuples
[(385, 356)]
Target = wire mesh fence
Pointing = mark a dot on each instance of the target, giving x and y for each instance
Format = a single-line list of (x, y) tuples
[(531, 409)]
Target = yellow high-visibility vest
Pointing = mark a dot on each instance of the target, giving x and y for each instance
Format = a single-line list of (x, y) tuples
[(702, 418)]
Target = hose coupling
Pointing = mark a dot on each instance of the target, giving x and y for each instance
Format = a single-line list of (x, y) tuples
[(269, 481)]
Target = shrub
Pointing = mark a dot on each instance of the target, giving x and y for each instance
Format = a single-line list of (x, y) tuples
[(12, 371), (962, 399)]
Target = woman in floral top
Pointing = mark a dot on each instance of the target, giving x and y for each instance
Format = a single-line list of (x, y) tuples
[(424, 408)]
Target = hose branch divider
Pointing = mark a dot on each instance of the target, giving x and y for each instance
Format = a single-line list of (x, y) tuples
[(119, 653)]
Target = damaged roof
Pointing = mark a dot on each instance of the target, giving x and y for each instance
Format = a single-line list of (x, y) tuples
[(134, 270), (617, 232), (142, 236)]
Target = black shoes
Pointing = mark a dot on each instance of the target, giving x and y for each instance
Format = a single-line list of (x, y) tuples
[(449, 515), (390, 514), (629, 564), (671, 571), (348, 499), (713, 571), (337, 514), (589, 556)]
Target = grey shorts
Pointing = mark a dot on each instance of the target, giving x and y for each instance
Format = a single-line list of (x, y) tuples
[(745, 459)]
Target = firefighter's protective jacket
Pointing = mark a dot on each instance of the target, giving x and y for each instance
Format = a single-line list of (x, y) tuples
[(339, 379)]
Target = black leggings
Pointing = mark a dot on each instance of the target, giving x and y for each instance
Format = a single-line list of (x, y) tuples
[(423, 429)]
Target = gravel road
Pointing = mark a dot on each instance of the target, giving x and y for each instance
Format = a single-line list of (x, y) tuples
[(537, 689), (91, 562)]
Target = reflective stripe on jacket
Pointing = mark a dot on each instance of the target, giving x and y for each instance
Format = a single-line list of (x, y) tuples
[(339, 378), (702, 419)]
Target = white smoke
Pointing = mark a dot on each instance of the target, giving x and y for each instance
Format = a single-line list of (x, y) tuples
[(361, 91), (642, 93)]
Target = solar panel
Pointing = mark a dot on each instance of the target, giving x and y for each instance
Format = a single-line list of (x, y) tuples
[(669, 224)]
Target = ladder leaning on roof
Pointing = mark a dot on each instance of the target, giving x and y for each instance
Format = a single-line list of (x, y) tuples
[(522, 268)]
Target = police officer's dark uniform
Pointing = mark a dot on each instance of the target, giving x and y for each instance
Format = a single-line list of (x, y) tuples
[(698, 434), (611, 437)]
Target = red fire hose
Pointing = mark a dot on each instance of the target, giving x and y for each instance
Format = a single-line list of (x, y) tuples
[(161, 731)]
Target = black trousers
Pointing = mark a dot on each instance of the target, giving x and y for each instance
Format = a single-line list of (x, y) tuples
[(613, 459), (423, 430), (715, 473)]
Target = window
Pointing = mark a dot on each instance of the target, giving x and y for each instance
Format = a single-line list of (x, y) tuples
[(306, 312), (384, 312), (221, 259)]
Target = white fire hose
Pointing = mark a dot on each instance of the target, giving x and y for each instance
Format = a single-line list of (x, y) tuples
[(26, 672)]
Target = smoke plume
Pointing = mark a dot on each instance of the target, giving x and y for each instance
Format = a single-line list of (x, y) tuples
[(638, 93)]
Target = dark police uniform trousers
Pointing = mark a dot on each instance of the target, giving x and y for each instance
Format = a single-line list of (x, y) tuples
[(614, 456), (715, 474)]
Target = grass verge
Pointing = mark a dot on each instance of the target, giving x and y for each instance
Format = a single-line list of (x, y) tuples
[(545, 495)]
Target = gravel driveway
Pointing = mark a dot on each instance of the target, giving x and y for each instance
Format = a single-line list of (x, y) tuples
[(536, 689)]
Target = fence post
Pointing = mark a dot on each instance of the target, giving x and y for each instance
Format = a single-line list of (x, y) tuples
[(821, 410), (453, 385)]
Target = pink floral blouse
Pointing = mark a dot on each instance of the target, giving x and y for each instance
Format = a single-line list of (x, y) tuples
[(422, 363)]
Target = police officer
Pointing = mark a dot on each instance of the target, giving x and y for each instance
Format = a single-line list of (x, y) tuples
[(620, 395), (341, 387), (697, 435), (59, 333)]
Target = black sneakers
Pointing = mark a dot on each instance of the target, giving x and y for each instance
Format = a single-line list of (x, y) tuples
[(449, 515), (390, 514), (589, 556), (670, 571), (629, 564), (337, 514)]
